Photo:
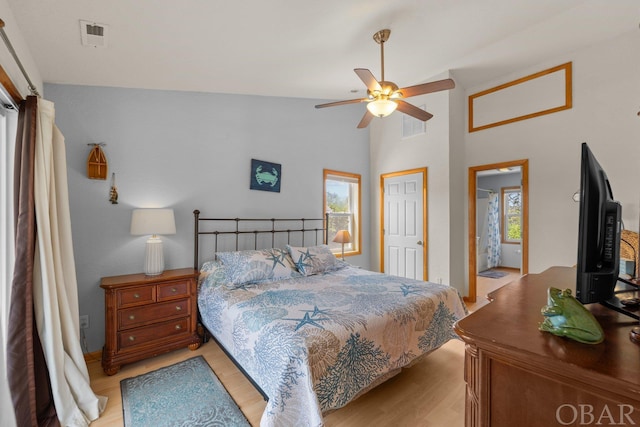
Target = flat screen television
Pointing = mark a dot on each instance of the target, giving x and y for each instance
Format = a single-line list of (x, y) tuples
[(598, 233)]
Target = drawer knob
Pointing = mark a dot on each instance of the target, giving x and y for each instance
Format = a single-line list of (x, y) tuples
[(178, 308), (174, 290), (132, 317), (132, 338), (136, 295), (178, 327)]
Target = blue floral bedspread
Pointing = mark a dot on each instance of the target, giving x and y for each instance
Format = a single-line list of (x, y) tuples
[(313, 343)]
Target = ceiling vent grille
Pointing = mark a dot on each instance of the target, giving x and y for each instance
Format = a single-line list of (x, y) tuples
[(93, 34)]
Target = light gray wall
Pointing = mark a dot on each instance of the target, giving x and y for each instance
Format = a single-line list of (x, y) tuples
[(457, 186), (392, 153), (604, 114), (192, 151), (158, 146), (17, 41), (496, 182)]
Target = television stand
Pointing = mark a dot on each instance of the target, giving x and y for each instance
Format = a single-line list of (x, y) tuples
[(627, 289), (517, 375)]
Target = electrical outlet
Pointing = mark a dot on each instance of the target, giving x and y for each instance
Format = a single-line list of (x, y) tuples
[(84, 321)]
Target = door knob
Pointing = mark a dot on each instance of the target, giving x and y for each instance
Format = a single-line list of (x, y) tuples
[(420, 242)]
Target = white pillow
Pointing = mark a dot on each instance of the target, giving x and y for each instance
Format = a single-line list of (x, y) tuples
[(314, 259), (242, 267)]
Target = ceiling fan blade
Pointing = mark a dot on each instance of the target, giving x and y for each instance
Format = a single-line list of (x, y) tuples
[(367, 77), (427, 88), (348, 101), (366, 119), (413, 111)]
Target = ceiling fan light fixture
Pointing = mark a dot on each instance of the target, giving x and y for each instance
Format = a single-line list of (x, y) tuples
[(381, 107), (384, 97)]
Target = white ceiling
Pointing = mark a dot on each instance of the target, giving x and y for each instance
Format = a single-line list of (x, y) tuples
[(298, 48)]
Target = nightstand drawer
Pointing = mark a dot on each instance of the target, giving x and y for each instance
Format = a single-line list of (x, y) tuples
[(136, 296), (145, 334), (173, 290), (136, 316), (148, 315)]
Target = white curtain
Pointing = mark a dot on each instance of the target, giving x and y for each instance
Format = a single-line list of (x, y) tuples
[(481, 223), (494, 244), (55, 285)]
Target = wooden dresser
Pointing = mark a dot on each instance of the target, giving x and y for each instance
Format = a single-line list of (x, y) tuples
[(517, 375), (148, 315)]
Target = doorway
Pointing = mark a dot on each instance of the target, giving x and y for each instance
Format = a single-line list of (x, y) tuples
[(500, 193), (403, 223)]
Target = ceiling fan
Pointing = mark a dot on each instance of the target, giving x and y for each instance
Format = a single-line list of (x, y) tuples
[(383, 97)]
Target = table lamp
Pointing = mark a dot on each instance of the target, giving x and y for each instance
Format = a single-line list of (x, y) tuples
[(342, 236), (153, 222)]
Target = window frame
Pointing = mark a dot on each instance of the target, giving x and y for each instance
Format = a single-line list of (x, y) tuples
[(354, 247), (8, 129), (505, 216)]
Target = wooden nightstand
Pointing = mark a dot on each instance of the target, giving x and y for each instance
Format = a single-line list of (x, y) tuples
[(148, 315)]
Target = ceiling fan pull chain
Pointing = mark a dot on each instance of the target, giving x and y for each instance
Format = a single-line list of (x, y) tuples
[(382, 59)]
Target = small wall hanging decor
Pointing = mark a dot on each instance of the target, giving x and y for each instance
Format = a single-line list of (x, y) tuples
[(265, 176), (113, 193), (97, 167)]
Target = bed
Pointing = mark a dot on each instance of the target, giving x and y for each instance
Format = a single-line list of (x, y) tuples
[(310, 331)]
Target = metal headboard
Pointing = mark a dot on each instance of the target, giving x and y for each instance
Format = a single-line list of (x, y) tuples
[(308, 226)]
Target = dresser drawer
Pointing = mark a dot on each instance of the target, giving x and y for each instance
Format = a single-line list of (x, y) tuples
[(145, 334), (173, 290), (148, 315), (137, 316), (136, 296)]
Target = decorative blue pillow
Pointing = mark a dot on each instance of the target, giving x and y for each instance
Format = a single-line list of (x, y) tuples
[(314, 259), (244, 267), (212, 273)]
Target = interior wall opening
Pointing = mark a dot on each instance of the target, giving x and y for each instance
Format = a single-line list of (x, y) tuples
[(498, 222)]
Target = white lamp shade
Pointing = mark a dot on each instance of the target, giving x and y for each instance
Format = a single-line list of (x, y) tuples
[(342, 236), (381, 107), (153, 221)]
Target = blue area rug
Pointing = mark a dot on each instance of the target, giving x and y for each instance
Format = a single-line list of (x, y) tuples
[(185, 394), (492, 274)]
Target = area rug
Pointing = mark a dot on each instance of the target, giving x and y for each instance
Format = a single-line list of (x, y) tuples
[(187, 393), (492, 274)]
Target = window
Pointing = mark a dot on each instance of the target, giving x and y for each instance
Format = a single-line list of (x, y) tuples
[(511, 215), (342, 201), (8, 122)]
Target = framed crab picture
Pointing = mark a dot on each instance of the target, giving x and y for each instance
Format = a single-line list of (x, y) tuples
[(265, 176)]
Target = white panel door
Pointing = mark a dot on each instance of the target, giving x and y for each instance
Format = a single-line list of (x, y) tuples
[(403, 227)]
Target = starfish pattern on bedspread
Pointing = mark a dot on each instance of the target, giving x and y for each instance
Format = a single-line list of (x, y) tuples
[(313, 343), (410, 289), (308, 320)]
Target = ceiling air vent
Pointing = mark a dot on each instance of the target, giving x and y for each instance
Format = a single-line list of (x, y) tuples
[(93, 34)]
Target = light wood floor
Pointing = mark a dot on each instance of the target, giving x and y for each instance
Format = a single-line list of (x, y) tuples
[(430, 393), (486, 285)]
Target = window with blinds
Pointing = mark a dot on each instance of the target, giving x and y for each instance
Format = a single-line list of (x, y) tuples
[(342, 201)]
